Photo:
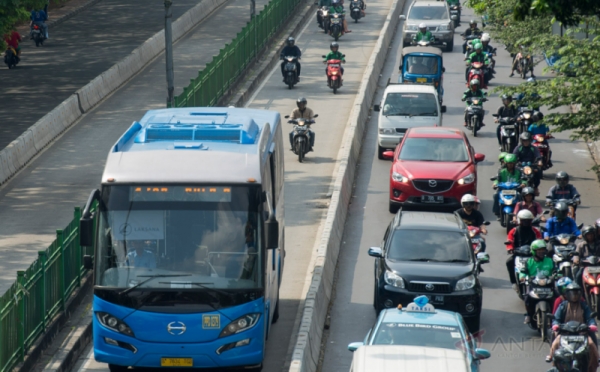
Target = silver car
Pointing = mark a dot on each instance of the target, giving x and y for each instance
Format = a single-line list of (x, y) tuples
[(434, 14)]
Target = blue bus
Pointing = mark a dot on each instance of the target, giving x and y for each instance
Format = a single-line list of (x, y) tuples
[(188, 239)]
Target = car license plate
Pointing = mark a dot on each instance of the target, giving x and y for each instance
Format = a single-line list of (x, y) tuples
[(432, 199), (421, 80), (176, 362), (509, 192), (436, 300)]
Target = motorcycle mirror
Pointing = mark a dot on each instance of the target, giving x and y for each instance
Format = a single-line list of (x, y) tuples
[(580, 226), (593, 315), (324, 56), (343, 55), (493, 178), (316, 116), (486, 223), (443, 69), (287, 116), (546, 212), (495, 115), (507, 243)]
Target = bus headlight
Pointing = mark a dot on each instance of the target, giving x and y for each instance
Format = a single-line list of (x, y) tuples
[(113, 323), (241, 324)]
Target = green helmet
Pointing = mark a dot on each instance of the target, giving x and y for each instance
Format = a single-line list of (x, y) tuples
[(478, 46), (510, 158), (537, 244), (502, 155)]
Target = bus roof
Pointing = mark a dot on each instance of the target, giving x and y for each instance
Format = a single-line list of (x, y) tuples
[(193, 145)]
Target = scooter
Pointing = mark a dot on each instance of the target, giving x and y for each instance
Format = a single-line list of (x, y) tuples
[(356, 10), (290, 71), (323, 18), (524, 118), (508, 133), (336, 26), (540, 141), (564, 249), (591, 281), (301, 136), (456, 10), (541, 290), (521, 255), (508, 196), (334, 74), (475, 114), (528, 171), (574, 338), (10, 58), (38, 35), (476, 71), (571, 205)]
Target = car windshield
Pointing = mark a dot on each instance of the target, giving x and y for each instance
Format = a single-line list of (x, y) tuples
[(428, 12), (422, 65), (428, 245), (179, 237), (424, 335), (410, 104), (434, 149)]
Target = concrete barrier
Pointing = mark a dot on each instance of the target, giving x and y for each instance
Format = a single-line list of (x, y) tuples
[(307, 349)]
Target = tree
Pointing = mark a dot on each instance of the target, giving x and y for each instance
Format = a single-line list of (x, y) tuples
[(567, 12)]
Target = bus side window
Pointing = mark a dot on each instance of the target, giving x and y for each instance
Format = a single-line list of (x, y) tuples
[(267, 186)]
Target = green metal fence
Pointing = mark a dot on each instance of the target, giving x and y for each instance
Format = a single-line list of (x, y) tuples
[(224, 69), (40, 293)]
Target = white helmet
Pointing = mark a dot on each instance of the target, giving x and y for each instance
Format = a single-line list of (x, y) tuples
[(467, 198), (525, 214), (422, 25), (485, 37)]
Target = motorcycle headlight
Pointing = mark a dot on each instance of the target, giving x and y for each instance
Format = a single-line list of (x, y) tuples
[(113, 323), (469, 178), (465, 283), (393, 279), (472, 233), (527, 115), (386, 130), (475, 101), (527, 170), (412, 27), (398, 177), (563, 241), (240, 324), (508, 201)]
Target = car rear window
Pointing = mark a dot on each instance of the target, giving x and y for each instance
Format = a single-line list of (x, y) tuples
[(428, 246), (410, 104), (424, 335), (434, 149), (428, 12)]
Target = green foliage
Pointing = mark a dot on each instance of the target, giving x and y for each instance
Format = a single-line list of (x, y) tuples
[(567, 12), (15, 11)]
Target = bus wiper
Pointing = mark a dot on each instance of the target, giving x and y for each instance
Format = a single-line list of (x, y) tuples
[(203, 285), (150, 277)]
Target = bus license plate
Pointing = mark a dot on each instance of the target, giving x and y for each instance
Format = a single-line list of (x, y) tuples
[(421, 80), (176, 362), (432, 199)]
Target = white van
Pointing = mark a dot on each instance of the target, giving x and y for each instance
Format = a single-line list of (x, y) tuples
[(405, 106), (392, 358)]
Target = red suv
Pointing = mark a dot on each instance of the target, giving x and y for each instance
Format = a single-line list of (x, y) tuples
[(432, 168)]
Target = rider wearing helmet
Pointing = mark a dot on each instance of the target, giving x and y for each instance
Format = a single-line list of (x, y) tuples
[(563, 190), (478, 56), (470, 215), (290, 50), (507, 110), (508, 174), (526, 153), (536, 127), (561, 223), (487, 48), (501, 159), (538, 264), (472, 30), (574, 309), (302, 111), (523, 234), (334, 54), (517, 59), (529, 203), (473, 92), (338, 7), (423, 33), (589, 246)]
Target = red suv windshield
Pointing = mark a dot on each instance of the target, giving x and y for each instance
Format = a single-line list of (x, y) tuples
[(434, 149)]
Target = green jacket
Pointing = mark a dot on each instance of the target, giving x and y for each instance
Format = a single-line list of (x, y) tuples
[(478, 57), (470, 94), (335, 55), (326, 3), (505, 176), (336, 9), (534, 267), (423, 36)]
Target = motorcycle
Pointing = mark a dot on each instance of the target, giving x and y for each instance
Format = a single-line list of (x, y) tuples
[(475, 114), (524, 118), (37, 34), (541, 290), (10, 58), (300, 138), (356, 11), (508, 196), (528, 170), (468, 46), (336, 26), (564, 249), (574, 339), (323, 18), (521, 255), (476, 71), (540, 141), (524, 65), (508, 133), (591, 281), (334, 74), (290, 71), (476, 238), (571, 205), (456, 10)]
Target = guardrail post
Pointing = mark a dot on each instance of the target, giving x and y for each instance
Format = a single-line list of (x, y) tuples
[(78, 263), (43, 258), (20, 294), (60, 240)]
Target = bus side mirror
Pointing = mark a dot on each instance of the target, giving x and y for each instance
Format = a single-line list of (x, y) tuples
[(272, 233), (87, 262), (86, 231)]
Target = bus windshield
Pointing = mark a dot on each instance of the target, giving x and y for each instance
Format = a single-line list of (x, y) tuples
[(178, 237)]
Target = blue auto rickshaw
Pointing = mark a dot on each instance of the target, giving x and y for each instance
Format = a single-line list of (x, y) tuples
[(423, 65)]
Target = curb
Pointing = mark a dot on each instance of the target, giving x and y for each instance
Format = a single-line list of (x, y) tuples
[(307, 348), (25, 147)]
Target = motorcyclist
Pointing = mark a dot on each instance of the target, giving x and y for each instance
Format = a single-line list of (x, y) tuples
[(538, 264), (560, 223), (337, 7), (507, 110), (529, 203), (322, 3), (573, 309), (561, 286), (473, 92), (334, 54), (501, 159), (472, 30), (39, 17), (12, 40), (478, 56), (562, 190), (508, 174), (423, 34), (538, 127), (487, 48), (523, 234), (302, 111), (526, 153), (469, 215), (589, 246), (290, 50), (517, 57)]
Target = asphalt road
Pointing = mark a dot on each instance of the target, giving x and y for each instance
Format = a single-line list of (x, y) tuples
[(78, 50), (513, 345)]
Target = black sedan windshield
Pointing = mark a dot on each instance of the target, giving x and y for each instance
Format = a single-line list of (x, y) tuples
[(429, 245)]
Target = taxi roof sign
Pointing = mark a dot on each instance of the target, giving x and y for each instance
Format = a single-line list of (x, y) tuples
[(420, 305)]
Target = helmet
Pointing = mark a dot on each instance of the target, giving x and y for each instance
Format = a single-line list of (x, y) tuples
[(478, 46), (422, 25), (474, 82), (334, 45), (525, 214), (291, 41), (300, 101), (473, 22), (560, 210), (530, 80), (335, 2), (501, 156), (485, 37), (562, 176), (588, 230), (528, 191), (562, 283), (506, 97), (537, 244), (573, 292), (538, 116), (525, 136), (510, 158), (467, 198)]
